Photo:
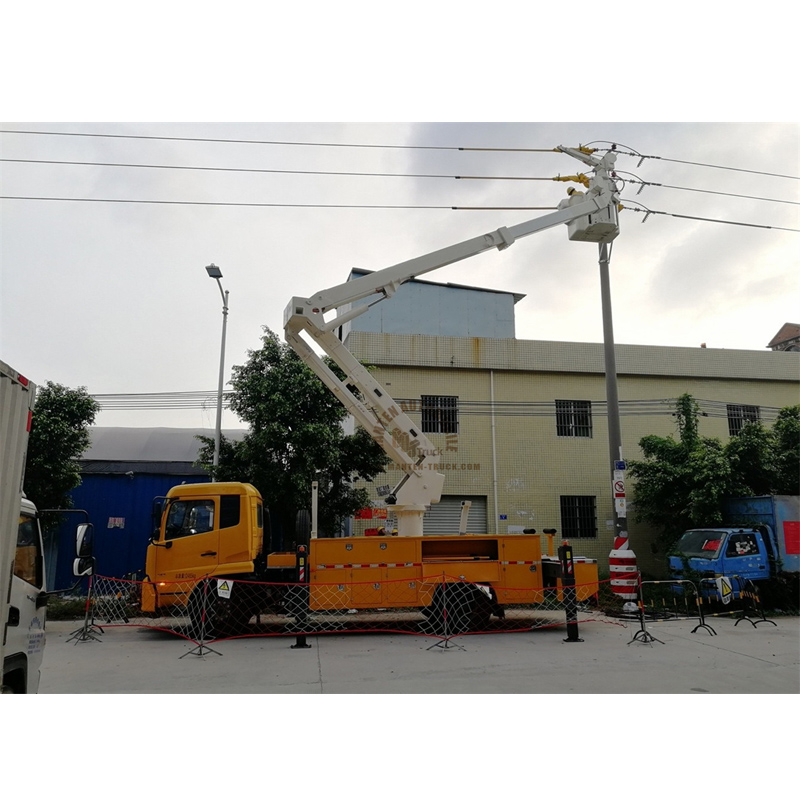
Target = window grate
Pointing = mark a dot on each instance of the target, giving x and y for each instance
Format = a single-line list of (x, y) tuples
[(739, 416), (574, 418), (439, 414), (578, 516)]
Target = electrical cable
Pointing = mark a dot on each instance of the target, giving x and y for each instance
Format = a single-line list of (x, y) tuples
[(637, 180), (648, 211), (277, 205), (276, 171), (290, 144)]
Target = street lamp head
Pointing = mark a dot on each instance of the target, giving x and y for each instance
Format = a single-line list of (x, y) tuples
[(213, 271)]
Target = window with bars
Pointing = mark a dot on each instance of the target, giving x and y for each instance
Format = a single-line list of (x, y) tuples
[(439, 414), (578, 517), (574, 418), (739, 416)]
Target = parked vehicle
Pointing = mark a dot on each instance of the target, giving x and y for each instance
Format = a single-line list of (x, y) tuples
[(762, 541), (216, 530), (22, 585)]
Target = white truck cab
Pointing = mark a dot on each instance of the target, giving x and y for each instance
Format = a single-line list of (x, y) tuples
[(24, 629)]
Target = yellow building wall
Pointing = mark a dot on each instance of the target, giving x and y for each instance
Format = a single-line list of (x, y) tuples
[(514, 456)]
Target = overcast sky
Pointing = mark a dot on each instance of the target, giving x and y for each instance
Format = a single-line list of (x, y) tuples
[(115, 297)]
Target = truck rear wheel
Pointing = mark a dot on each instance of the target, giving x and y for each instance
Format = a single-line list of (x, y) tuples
[(452, 609)]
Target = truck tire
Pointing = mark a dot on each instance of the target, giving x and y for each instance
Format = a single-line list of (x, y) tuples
[(451, 610), (224, 616)]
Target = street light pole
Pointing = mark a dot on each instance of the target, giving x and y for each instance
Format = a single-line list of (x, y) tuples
[(216, 273)]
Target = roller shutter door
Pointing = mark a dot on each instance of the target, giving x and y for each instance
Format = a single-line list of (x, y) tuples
[(443, 518)]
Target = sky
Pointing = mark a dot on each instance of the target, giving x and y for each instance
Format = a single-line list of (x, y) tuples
[(115, 297)]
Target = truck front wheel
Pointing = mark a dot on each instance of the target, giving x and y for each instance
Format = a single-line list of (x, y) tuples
[(215, 617)]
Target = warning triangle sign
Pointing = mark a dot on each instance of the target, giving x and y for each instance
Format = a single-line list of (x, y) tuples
[(224, 588), (725, 590)]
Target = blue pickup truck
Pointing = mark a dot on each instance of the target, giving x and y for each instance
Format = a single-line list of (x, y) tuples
[(761, 541)]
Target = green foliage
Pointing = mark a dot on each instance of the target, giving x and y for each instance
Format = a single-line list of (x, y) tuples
[(59, 436), (786, 435), (681, 483), (295, 436)]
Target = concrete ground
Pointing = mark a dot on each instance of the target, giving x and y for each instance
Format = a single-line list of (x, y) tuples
[(739, 660)]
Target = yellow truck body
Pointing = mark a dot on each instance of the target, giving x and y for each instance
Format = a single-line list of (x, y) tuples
[(217, 530)]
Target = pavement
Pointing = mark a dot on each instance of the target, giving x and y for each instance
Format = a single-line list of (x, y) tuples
[(740, 659)]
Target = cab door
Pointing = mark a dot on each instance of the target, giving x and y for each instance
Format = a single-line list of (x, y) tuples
[(745, 556), (190, 547)]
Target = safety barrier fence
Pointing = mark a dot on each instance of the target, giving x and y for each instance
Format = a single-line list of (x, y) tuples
[(733, 596), (441, 607)]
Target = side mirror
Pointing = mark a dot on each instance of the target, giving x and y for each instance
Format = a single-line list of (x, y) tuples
[(84, 541), (83, 566)]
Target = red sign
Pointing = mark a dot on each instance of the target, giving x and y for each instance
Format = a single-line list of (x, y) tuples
[(791, 535), (371, 513)]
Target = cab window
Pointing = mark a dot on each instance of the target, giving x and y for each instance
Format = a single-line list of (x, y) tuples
[(189, 517), (229, 510), (28, 561), (741, 544)]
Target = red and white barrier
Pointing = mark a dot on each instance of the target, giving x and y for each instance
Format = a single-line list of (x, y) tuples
[(624, 573)]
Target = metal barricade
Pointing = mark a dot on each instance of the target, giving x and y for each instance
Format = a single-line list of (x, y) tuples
[(738, 597), (668, 600)]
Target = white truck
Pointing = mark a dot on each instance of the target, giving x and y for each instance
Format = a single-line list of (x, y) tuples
[(22, 584)]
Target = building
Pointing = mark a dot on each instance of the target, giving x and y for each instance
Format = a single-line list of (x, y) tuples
[(787, 338), (522, 425), (122, 471)]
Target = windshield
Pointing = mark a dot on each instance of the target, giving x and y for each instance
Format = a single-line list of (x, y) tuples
[(700, 544)]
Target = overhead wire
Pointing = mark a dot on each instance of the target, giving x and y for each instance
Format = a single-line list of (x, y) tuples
[(642, 157), (278, 171), (286, 143), (578, 178), (275, 205), (640, 182), (200, 400), (648, 211)]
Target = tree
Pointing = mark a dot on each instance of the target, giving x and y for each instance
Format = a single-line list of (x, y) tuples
[(786, 435), (59, 435), (295, 436), (681, 483)]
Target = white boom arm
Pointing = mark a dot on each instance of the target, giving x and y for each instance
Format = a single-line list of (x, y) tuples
[(368, 401)]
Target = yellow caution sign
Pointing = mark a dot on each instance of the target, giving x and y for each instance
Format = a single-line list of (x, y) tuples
[(224, 588), (725, 590)]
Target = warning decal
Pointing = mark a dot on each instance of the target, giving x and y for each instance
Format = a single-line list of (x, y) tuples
[(224, 588), (725, 590)]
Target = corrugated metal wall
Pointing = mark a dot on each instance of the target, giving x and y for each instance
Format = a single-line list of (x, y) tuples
[(120, 509)]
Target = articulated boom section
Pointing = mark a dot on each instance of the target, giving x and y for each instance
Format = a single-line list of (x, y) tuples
[(380, 416), (370, 403)]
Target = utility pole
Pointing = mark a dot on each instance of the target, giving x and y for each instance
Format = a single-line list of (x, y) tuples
[(622, 560)]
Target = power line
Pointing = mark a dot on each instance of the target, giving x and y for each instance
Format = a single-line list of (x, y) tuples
[(576, 178), (645, 211), (632, 152), (642, 157), (276, 171), (201, 400), (705, 191), (276, 205), (289, 143)]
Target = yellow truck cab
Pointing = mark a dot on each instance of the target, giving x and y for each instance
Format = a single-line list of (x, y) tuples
[(204, 530)]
